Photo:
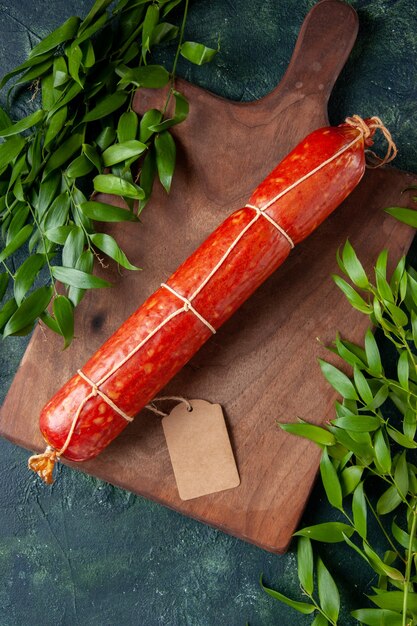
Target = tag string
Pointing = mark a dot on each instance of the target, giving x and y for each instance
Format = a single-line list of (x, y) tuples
[(43, 463), (152, 407)]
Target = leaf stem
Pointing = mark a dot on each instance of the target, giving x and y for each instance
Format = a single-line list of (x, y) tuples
[(38, 226), (387, 537), (10, 273), (320, 610), (180, 38), (408, 565)]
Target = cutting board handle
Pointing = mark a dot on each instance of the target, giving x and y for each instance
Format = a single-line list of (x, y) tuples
[(323, 46)]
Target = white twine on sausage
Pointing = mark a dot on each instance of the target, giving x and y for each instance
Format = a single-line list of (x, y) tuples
[(364, 132)]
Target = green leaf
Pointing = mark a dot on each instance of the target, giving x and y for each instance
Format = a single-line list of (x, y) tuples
[(359, 511), (403, 370), (77, 278), (350, 478), (338, 381), (353, 266), (372, 354), (309, 431), (7, 311), (379, 566), (35, 72), (401, 474), (5, 120), (397, 275), (60, 79), (94, 14), (150, 76), (109, 183), (163, 32), (59, 234), (64, 316), (108, 245), (389, 501), (21, 237), (105, 138), (378, 617), (165, 158), (21, 214), (362, 385), (48, 190), (28, 311), (382, 453), (55, 125), (75, 57), (127, 126), (393, 600), (26, 274), (149, 118), (328, 592), (408, 216), (24, 124), (74, 246), (330, 481), (197, 53), (301, 607), (120, 152), (29, 63), (352, 296), (381, 264), (328, 532), (89, 57), (401, 439), (10, 149), (363, 450), (180, 114), (319, 620), (106, 106), (348, 355), (101, 212), (63, 153), (80, 166), (4, 283), (305, 564), (400, 318), (149, 23), (358, 423), (85, 33), (403, 538), (60, 35), (70, 92), (85, 263), (93, 156)]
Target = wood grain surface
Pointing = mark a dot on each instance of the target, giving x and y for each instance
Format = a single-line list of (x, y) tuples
[(262, 365)]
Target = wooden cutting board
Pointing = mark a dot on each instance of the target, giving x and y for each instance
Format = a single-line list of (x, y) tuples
[(262, 365)]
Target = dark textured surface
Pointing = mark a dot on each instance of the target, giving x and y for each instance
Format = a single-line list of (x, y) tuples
[(85, 553)]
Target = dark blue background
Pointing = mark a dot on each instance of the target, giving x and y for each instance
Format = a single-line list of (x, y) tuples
[(83, 552)]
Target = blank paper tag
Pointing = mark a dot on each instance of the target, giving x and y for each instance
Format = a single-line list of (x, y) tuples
[(200, 450)]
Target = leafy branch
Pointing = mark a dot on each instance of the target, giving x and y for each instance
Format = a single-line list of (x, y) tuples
[(83, 138), (369, 449)]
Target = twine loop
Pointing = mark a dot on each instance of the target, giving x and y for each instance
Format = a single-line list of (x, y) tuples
[(367, 129)]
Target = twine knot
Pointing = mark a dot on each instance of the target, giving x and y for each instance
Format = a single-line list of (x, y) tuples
[(367, 128), (43, 464)]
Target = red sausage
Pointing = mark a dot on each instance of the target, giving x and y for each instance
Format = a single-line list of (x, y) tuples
[(82, 419)]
